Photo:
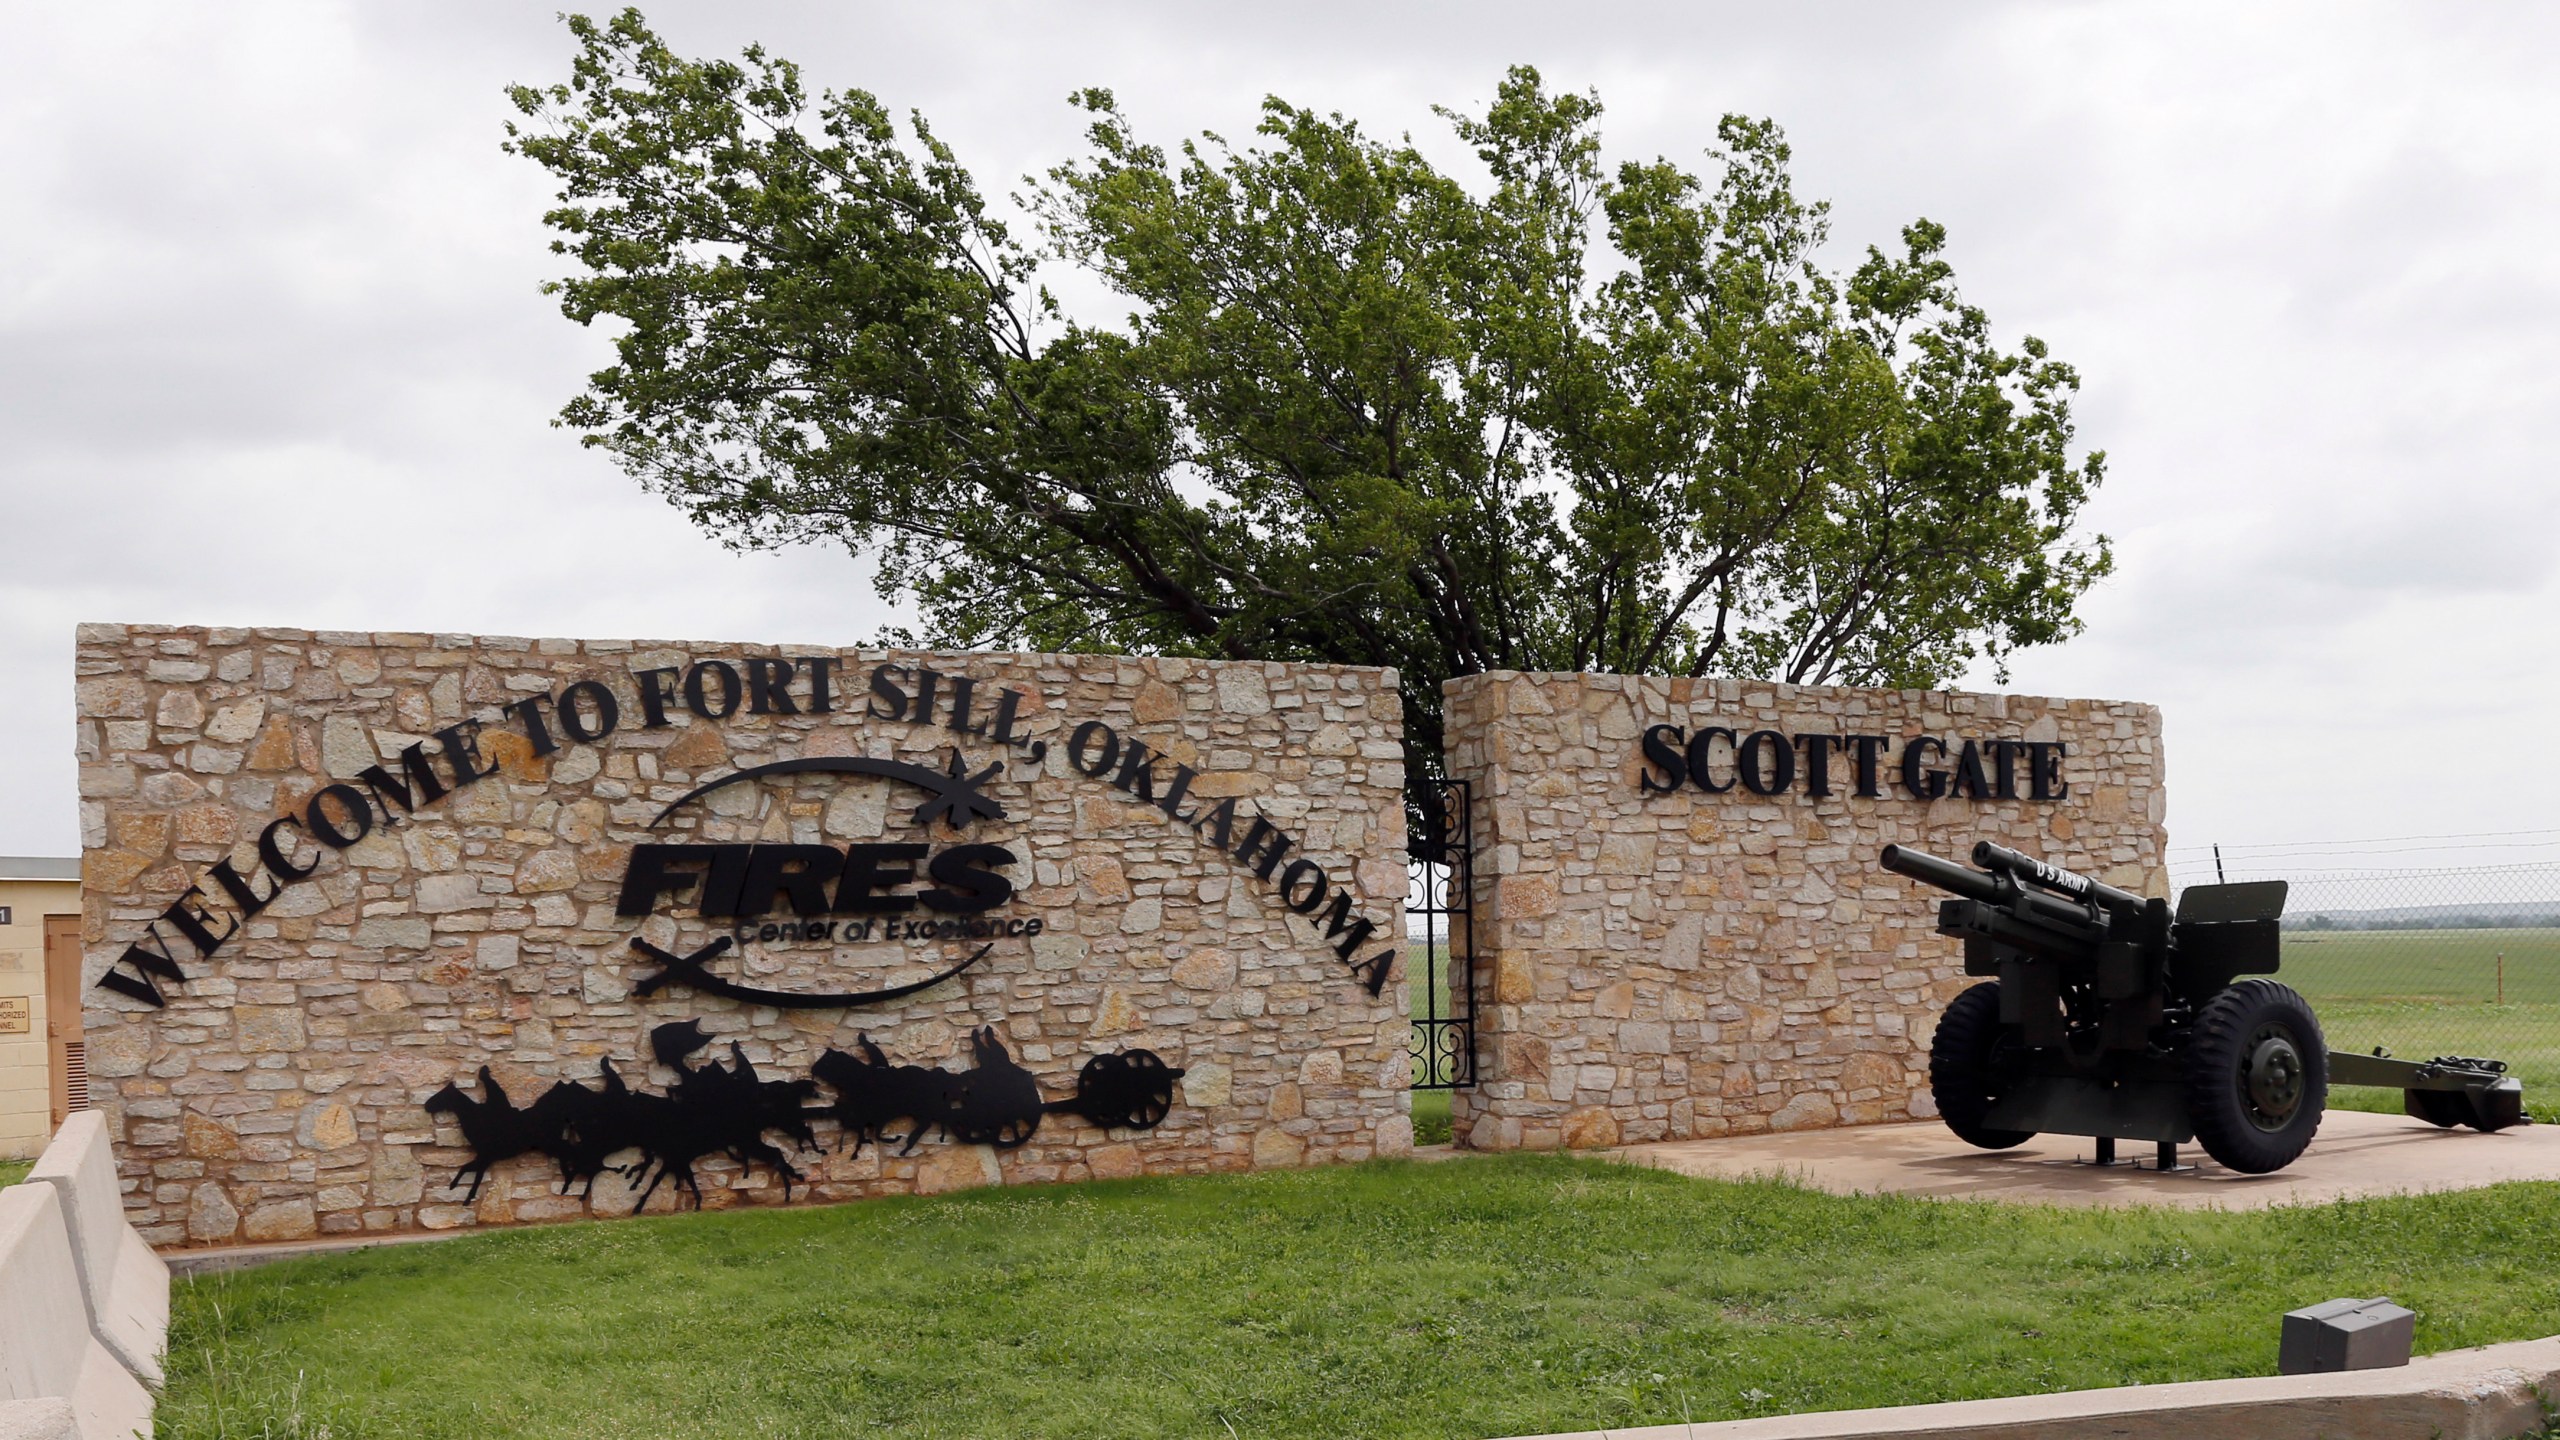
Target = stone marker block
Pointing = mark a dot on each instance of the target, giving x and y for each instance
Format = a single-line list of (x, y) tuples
[(2345, 1335), (127, 1286), (47, 1352)]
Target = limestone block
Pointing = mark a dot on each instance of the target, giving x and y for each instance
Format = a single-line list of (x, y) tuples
[(268, 1029), (1205, 969), (547, 870), (1242, 690), (439, 894), (283, 1220), (1206, 1085), (1806, 1111), (1593, 1127), (958, 1167), (1277, 1149)]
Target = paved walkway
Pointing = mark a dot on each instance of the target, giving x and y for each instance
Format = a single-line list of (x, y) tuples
[(2356, 1154)]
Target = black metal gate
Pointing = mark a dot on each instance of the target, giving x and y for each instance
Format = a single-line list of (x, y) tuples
[(1440, 870)]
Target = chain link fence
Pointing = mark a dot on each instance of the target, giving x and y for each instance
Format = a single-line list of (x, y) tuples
[(2422, 962)]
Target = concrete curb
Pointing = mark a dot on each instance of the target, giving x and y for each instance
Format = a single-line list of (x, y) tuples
[(246, 1257), (2490, 1393)]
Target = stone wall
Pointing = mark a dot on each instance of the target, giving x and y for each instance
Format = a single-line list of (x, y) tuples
[(1672, 963), (1158, 902)]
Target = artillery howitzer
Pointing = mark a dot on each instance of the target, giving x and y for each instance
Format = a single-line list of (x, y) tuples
[(2108, 1016)]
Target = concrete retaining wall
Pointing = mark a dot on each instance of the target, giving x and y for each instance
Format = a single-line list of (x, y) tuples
[(84, 1304), (125, 1285)]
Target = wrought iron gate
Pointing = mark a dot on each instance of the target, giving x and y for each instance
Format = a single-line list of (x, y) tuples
[(1440, 870)]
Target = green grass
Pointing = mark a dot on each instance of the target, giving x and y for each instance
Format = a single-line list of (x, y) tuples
[(1494, 1295), (13, 1171), (2421, 993), (1431, 1117)]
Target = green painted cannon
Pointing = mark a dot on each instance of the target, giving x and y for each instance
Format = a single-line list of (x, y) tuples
[(2103, 1013)]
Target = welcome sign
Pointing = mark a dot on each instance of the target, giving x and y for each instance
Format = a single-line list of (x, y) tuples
[(578, 890)]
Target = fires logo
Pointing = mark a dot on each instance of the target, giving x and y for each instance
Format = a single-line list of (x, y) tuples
[(896, 891)]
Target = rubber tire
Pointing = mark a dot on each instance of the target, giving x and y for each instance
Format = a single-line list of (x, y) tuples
[(2216, 1068), (2441, 1108), (1959, 1062)]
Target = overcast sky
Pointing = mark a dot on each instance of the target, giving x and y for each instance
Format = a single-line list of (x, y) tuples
[(272, 349)]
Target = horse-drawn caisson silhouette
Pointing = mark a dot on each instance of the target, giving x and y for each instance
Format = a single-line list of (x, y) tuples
[(730, 1109)]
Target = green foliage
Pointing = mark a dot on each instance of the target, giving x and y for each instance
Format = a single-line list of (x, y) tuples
[(1551, 417), (1479, 1296)]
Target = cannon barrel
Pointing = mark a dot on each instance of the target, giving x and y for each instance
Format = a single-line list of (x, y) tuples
[(2028, 870), (1947, 875)]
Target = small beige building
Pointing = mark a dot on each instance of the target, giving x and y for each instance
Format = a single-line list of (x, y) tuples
[(43, 1073)]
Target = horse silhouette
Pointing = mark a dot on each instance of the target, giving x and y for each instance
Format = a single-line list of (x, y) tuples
[(712, 1110), (582, 1128), (494, 1128), (997, 1102), (871, 1092)]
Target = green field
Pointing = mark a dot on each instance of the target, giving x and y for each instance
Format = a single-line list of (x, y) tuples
[(2422, 993), (13, 1171), (1490, 1295)]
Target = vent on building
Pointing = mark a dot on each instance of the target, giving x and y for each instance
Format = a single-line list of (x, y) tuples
[(75, 1074)]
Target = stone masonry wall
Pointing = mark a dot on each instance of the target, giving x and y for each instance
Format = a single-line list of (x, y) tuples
[(279, 1092), (1675, 964)]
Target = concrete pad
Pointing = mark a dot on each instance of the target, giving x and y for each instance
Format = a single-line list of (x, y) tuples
[(47, 1351), (2356, 1154), (127, 1286), (2484, 1394)]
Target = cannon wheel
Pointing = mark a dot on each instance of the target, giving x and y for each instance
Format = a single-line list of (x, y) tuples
[(2257, 1076), (1963, 1075)]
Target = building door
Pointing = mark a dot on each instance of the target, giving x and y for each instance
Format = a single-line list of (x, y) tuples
[(64, 1035)]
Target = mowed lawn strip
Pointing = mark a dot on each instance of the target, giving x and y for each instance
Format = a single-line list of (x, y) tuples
[(1478, 1297)]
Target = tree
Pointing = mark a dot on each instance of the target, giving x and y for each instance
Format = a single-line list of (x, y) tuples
[(1556, 419)]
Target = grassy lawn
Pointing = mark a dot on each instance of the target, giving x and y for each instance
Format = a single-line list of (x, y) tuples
[(1486, 1296), (2435, 992), (13, 1171)]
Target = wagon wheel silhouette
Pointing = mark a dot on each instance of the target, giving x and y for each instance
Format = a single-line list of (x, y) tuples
[(1132, 1091)]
